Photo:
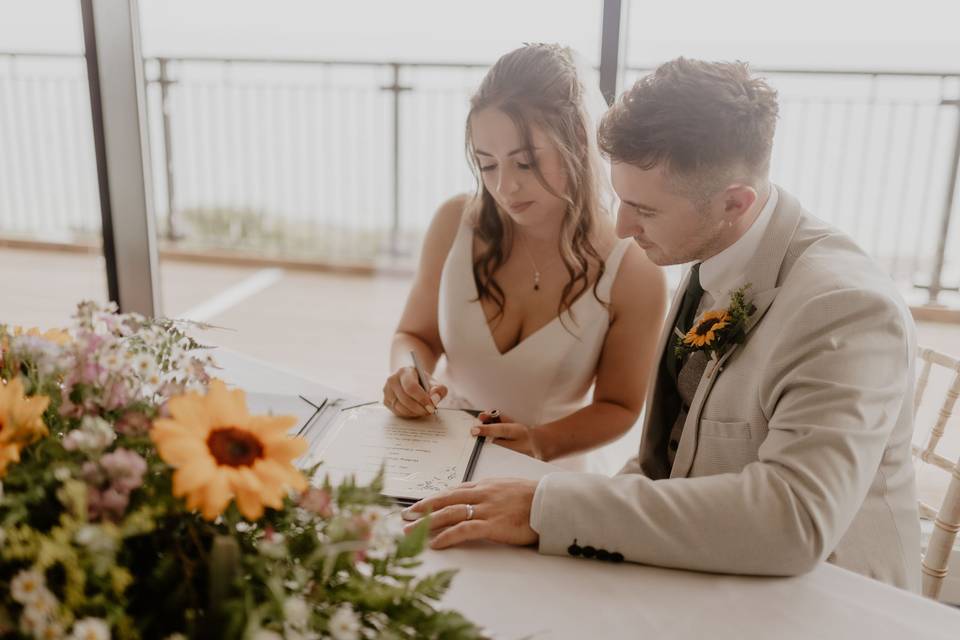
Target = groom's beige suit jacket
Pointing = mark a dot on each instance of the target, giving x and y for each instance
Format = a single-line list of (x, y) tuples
[(796, 446)]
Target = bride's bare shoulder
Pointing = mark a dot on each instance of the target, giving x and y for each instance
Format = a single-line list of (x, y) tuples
[(639, 283)]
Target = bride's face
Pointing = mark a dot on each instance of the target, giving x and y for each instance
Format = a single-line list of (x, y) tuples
[(506, 165)]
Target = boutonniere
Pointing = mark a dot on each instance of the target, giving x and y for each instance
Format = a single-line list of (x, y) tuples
[(715, 332)]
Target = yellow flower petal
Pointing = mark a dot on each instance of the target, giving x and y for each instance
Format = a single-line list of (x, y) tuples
[(281, 475), (177, 452), (190, 410), (192, 477), (219, 451), (21, 421), (287, 449), (227, 408), (216, 496)]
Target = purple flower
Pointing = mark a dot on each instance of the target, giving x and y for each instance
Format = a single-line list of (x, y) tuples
[(125, 469), (115, 502), (109, 504), (92, 474), (133, 423), (116, 394)]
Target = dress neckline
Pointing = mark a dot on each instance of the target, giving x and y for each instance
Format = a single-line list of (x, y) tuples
[(556, 319)]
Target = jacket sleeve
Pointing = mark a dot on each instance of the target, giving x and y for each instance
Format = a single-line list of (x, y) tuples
[(833, 387)]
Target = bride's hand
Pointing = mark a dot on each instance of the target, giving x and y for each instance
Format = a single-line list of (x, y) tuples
[(404, 396), (520, 437)]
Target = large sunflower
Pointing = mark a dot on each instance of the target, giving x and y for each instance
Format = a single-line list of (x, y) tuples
[(705, 330), (221, 452), (21, 421)]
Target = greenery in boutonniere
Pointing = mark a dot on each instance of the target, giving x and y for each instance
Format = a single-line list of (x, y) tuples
[(716, 331), (140, 499)]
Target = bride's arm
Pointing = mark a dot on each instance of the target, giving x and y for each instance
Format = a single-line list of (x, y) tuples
[(418, 329), (626, 366)]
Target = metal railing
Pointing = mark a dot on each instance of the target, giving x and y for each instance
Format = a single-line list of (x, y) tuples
[(346, 160)]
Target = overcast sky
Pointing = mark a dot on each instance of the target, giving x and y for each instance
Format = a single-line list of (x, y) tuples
[(917, 34)]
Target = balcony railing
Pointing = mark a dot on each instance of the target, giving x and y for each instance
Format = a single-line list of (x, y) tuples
[(344, 161)]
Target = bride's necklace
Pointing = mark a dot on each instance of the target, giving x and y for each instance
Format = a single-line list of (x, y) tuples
[(536, 270)]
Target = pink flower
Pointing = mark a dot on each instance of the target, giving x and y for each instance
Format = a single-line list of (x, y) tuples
[(116, 394), (125, 469), (92, 474), (318, 501), (90, 372), (133, 423), (109, 504), (171, 389), (115, 502)]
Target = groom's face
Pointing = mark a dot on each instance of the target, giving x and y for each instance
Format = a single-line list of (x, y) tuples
[(669, 227)]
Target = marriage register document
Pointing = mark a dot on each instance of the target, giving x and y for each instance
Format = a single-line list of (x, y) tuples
[(418, 457)]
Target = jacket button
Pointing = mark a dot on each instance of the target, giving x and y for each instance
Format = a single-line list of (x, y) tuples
[(616, 557), (574, 550), (589, 552), (603, 554)]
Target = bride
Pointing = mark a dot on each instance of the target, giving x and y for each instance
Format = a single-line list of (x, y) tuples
[(524, 286)]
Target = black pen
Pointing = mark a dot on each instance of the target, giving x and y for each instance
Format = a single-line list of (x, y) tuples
[(424, 381)]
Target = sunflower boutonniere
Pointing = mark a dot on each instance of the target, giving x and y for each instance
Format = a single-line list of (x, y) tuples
[(716, 331)]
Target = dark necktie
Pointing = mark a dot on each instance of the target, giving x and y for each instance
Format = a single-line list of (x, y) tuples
[(669, 400), (685, 317)]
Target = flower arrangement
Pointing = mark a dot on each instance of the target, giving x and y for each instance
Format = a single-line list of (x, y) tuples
[(715, 332), (140, 499)]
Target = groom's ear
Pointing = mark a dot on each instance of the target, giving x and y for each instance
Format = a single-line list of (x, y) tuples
[(737, 200)]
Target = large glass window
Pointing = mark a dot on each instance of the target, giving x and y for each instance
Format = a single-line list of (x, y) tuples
[(50, 245), (299, 133), (867, 127)]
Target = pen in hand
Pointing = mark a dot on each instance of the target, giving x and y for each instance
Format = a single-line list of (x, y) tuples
[(424, 382)]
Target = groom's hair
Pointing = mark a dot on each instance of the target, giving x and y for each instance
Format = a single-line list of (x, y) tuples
[(706, 123)]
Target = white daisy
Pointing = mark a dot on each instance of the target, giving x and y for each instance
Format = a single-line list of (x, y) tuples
[(296, 612), (91, 629), (344, 624), (52, 631), (27, 586), (144, 365)]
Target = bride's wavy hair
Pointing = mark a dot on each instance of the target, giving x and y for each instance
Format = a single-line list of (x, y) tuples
[(538, 83)]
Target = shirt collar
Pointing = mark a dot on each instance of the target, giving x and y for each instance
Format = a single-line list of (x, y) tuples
[(722, 273)]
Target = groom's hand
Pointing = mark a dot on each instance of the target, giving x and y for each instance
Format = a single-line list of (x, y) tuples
[(500, 513)]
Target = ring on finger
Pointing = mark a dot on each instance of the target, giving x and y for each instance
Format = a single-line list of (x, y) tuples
[(469, 511)]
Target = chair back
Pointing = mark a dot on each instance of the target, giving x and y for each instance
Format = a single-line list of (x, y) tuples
[(947, 517)]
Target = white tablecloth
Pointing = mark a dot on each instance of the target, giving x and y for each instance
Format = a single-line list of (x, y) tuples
[(516, 592)]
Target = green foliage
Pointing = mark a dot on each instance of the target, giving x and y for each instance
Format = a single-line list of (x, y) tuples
[(138, 560)]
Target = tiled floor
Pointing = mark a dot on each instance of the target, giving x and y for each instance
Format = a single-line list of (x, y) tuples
[(333, 328)]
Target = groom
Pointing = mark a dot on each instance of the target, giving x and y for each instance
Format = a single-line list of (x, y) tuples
[(778, 434)]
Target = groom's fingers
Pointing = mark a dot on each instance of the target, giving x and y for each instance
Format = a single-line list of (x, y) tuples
[(458, 534), (445, 517), (466, 495)]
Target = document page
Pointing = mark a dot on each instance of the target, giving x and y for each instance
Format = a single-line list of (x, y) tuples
[(419, 457)]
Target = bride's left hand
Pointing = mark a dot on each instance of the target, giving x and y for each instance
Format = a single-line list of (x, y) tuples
[(520, 437)]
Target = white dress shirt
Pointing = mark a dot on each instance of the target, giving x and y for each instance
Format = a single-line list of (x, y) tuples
[(725, 272)]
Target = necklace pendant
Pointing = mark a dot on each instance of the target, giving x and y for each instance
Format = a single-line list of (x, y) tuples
[(536, 281)]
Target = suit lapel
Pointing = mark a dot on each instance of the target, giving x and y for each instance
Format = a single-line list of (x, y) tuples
[(763, 272)]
